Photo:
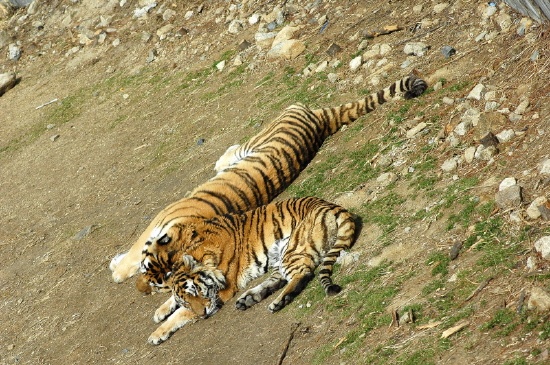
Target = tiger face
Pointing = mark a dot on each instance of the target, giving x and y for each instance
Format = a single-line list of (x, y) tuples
[(196, 286), (159, 255)]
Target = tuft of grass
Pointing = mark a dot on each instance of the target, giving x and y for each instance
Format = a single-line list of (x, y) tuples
[(440, 263)]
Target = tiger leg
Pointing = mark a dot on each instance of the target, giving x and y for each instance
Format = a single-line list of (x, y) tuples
[(126, 265), (296, 284), (165, 310), (261, 291), (227, 159), (177, 320)]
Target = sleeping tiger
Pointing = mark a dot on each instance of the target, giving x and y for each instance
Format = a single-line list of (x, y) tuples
[(222, 255), (253, 174)]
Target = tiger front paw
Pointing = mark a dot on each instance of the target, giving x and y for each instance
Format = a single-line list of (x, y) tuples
[(122, 270), (165, 310), (158, 338)]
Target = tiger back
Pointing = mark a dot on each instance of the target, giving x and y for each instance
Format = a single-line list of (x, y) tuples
[(225, 253), (251, 175)]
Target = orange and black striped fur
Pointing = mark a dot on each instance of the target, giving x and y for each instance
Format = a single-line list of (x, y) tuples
[(220, 256), (253, 174)]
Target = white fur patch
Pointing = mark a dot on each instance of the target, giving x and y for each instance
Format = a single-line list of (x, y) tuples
[(116, 260)]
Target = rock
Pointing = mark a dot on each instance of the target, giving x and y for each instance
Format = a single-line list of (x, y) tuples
[(489, 11), (504, 21), (509, 197), (491, 105), (84, 232), (14, 52), (522, 107), (151, 56), (469, 154), (163, 32), (288, 49), (449, 165), (355, 63), (533, 210), (54, 137), (545, 167), (7, 81), (321, 67), (513, 117), (333, 49), (386, 179), (146, 37), (168, 14), (140, 12), (471, 115), (220, 65), (416, 48), (448, 51), (448, 101), (416, 129), (477, 92), (506, 183), (463, 127), (254, 18), (264, 40), (539, 300), (544, 210), (487, 122), (440, 7), (486, 154), (489, 140), (506, 135), (285, 34), (333, 77), (235, 26)]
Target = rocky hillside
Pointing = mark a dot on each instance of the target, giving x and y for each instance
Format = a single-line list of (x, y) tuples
[(111, 110)]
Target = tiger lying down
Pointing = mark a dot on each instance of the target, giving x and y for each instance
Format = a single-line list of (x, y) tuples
[(223, 254), (253, 174)]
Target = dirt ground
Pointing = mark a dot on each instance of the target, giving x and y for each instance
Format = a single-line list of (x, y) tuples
[(118, 146)]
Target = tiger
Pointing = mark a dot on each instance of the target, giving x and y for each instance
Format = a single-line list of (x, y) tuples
[(221, 255), (252, 174)]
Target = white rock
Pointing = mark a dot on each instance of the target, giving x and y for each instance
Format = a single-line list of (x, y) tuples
[(463, 127), (7, 81), (477, 92), (469, 154), (322, 66), (506, 183), (188, 14), (163, 32), (285, 34), (545, 167), (385, 48), (14, 52), (138, 13), (531, 263), (472, 116), (448, 101), (533, 210), (522, 107), (264, 40), (220, 65), (235, 26), (416, 129), (254, 18), (488, 12), (543, 246), (440, 7), (333, 77), (292, 48), (355, 63), (491, 105), (539, 300), (449, 165), (386, 178), (506, 135), (415, 48), (116, 42), (485, 153)]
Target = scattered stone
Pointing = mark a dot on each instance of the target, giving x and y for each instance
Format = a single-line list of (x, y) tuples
[(164, 31), (471, 115), (54, 137), (509, 197), (7, 81), (469, 154), (386, 178), (506, 183), (449, 165), (168, 14), (355, 63), (506, 135), (220, 65), (254, 18), (333, 49), (539, 300), (14, 52), (533, 210), (545, 167), (416, 48), (116, 42), (333, 77), (544, 210), (146, 36), (140, 12), (84, 232), (448, 101), (440, 7), (416, 129), (264, 40), (455, 250), (385, 161), (491, 105), (513, 117), (244, 45), (235, 26), (200, 141), (489, 140), (477, 92), (151, 56), (504, 21), (292, 48), (522, 107), (463, 127), (448, 51)]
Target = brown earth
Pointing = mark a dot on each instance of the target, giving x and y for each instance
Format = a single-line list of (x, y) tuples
[(127, 146)]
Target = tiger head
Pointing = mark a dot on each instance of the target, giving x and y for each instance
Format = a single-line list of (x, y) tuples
[(160, 253), (196, 286)]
